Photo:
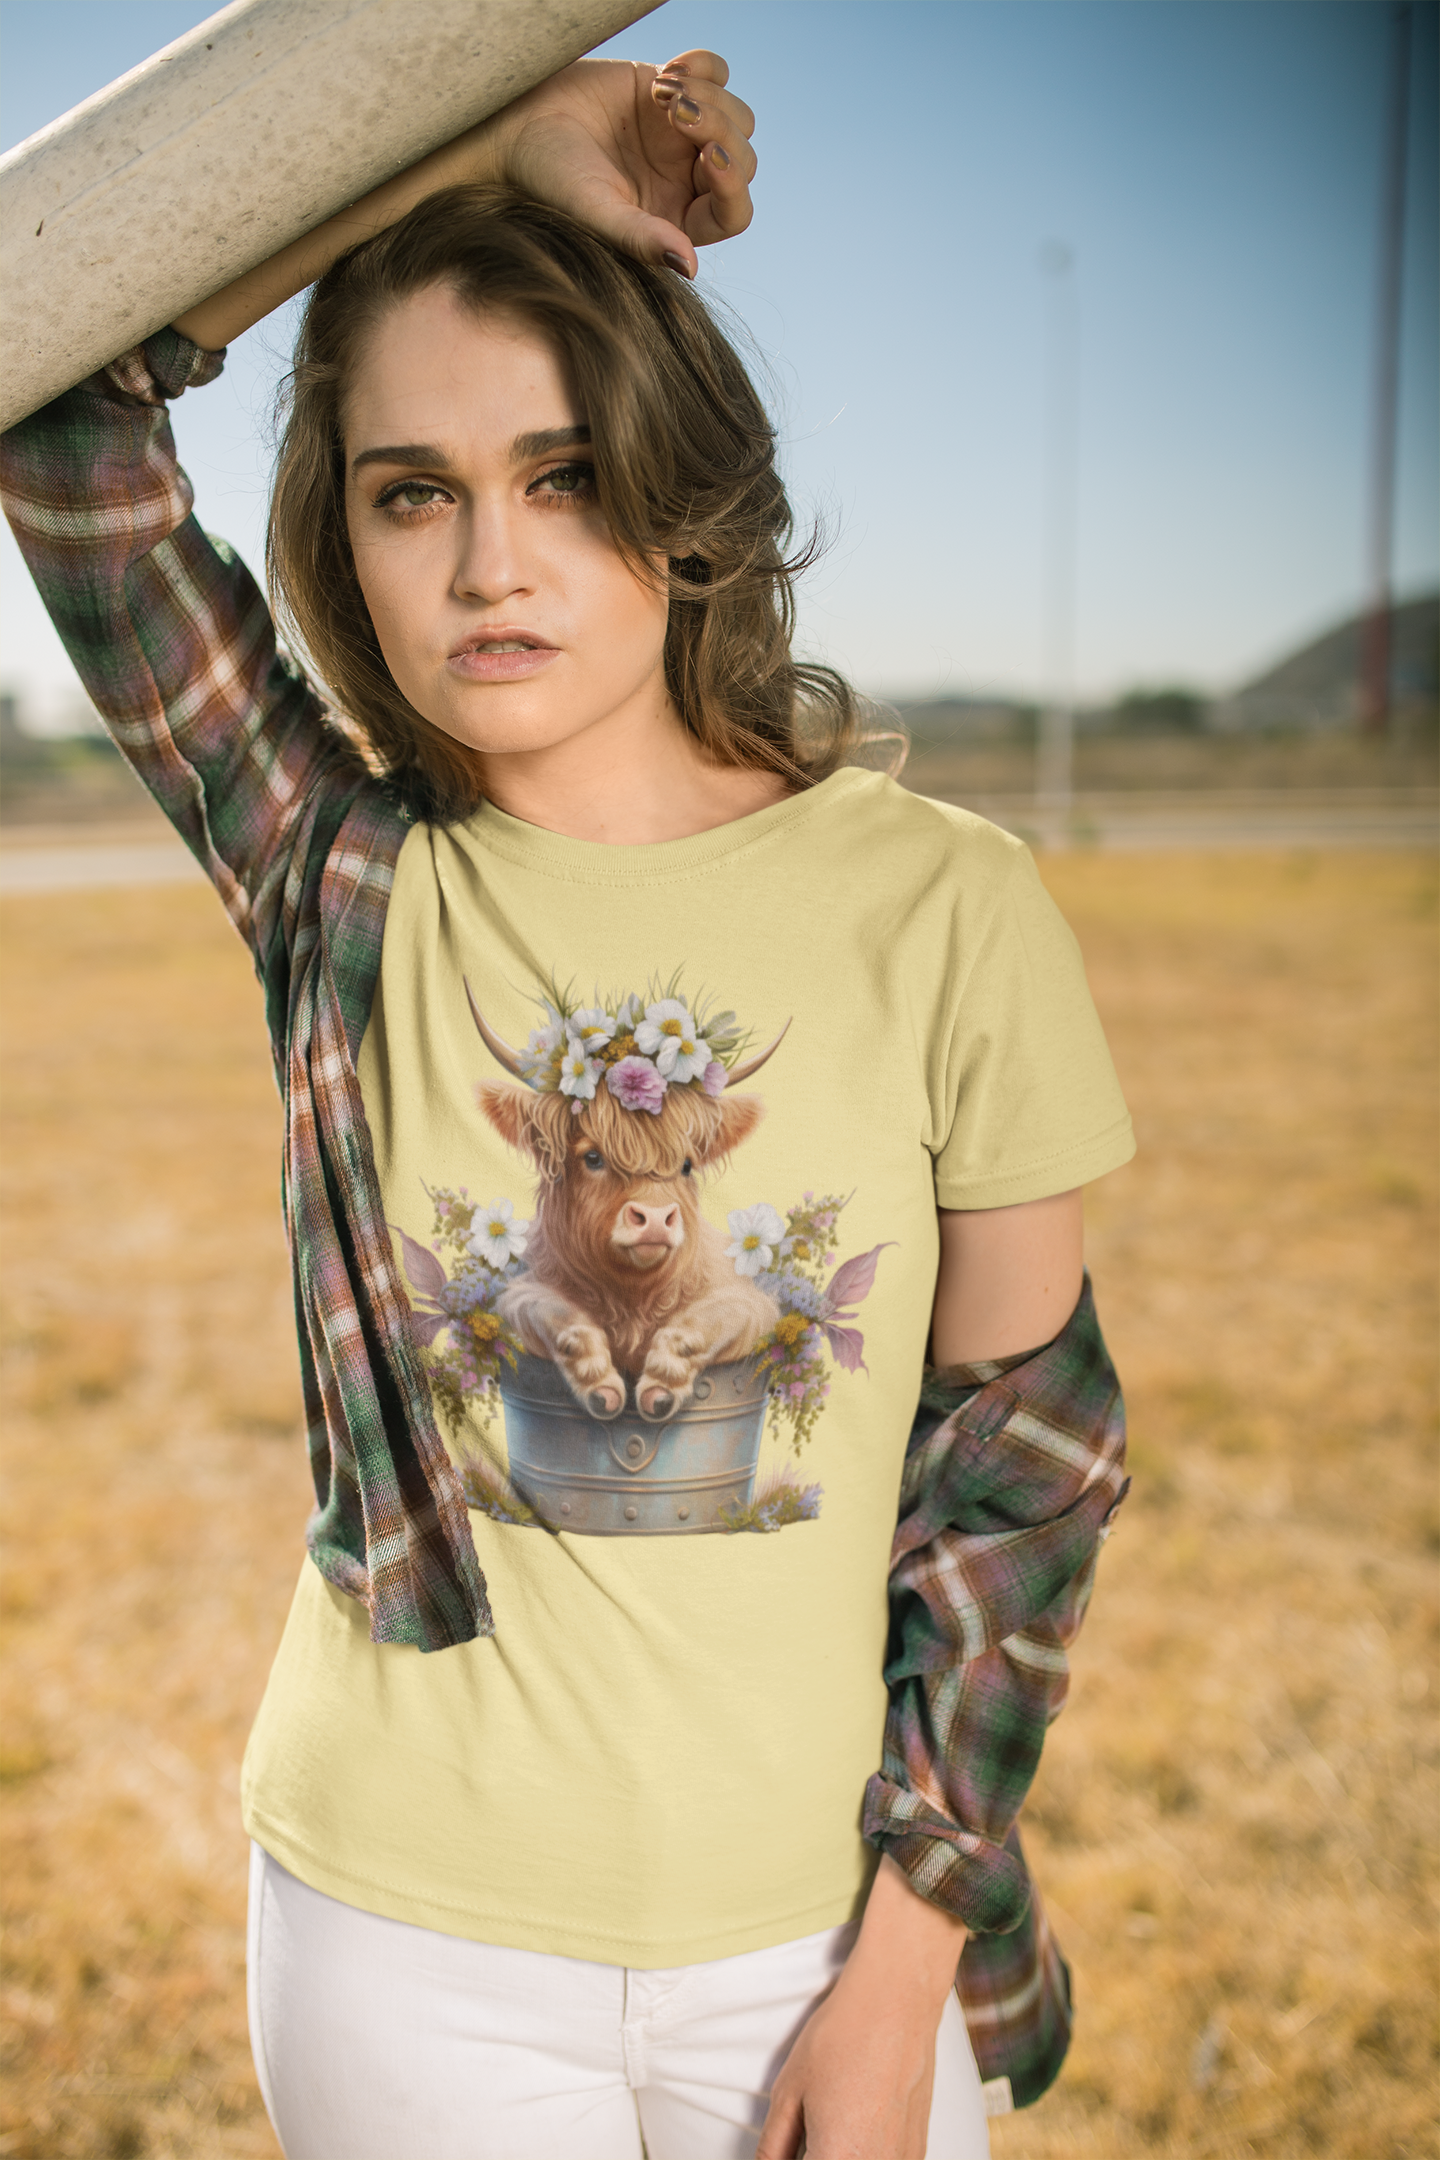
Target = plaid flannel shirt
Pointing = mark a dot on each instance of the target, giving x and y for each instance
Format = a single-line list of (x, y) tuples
[(1013, 1469)]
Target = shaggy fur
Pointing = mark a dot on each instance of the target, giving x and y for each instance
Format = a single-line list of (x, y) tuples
[(583, 1301)]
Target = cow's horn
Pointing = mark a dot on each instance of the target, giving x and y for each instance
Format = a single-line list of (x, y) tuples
[(498, 1048), (737, 1073)]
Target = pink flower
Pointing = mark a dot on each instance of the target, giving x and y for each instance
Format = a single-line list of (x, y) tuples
[(636, 1085), (713, 1078)]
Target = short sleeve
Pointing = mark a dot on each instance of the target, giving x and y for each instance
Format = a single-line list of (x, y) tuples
[(1027, 1096)]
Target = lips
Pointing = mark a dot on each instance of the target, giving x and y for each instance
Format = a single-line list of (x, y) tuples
[(501, 654)]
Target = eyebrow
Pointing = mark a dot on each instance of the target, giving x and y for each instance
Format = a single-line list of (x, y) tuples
[(538, 444)]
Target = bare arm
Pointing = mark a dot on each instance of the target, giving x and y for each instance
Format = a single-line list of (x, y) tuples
[(857, 2083), (657, 159), (1009, 1278)]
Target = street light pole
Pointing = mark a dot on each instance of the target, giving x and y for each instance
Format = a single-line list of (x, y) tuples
[(1055, 743), (1375, 660)]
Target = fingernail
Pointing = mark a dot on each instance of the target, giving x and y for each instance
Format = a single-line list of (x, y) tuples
[(687, 108), (719, 157), (664, 91), (673, 67), (676, 262)]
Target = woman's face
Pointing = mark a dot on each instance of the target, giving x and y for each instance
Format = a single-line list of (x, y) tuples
[(503, 609)]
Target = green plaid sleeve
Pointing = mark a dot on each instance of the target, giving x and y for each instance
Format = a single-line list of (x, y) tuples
[(173, 640), (168, 631), (1011, 1483)]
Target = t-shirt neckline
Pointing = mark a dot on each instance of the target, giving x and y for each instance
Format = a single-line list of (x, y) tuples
[(599, 862)]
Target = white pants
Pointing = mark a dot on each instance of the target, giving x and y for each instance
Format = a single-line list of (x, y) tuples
[(378, 2041)]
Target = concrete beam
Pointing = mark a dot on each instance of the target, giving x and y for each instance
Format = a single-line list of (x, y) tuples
[(240, 137)]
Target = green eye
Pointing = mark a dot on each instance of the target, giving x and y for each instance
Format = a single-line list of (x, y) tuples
[(409, 495), (564, 480)]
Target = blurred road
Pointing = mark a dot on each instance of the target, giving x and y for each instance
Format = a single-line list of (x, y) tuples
[(72, 868), (1258, 818)]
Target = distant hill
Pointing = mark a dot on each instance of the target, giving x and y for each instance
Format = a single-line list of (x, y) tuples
[(1314, 688), (1319, 686)]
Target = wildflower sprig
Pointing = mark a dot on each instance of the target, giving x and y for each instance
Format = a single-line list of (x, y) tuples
[(792, 1261), (485, 1248)]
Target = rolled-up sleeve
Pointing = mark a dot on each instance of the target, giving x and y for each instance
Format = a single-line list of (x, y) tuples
[(169, 632), (1012, 1479)]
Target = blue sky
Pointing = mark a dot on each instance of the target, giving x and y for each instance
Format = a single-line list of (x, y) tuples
[(1214, 164)]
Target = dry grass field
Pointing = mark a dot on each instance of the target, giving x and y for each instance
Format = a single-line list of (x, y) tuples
[(1234, 1823)]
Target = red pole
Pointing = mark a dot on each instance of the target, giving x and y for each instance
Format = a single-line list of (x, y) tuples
[(1375, 656)]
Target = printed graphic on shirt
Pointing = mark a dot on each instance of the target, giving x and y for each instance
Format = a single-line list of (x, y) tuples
[(635, 1348)]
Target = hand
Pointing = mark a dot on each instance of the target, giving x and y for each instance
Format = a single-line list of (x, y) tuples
[(656, 159), (857, 2083)]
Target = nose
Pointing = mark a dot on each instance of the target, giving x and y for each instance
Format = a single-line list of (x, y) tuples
[(491, 565), (643, 1219)]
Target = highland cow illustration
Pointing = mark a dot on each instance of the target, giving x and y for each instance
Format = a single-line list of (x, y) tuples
[(640, 1355), (622, 1112)]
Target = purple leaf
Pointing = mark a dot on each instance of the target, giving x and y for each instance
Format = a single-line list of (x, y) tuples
[(852, 1280), (847, 1345), (427, 1325), (424, 1270)]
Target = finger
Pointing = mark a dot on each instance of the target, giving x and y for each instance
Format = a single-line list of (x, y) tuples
[(651, 239), (711, 125), (780, 2139), (723, 106), (722, 206), (702, 65)]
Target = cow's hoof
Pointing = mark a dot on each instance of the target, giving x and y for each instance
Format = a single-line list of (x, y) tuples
[(601, 1403)]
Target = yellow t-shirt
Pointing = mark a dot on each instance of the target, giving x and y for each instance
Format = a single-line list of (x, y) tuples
[(677, 1307)]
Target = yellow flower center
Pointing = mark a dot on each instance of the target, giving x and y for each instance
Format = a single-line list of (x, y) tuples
[(791, 1328), (751, 1243), (484, 1326), (670, 1027)]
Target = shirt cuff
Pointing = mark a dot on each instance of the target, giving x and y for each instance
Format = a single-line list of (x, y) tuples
[(979, 1881), (165, 366)]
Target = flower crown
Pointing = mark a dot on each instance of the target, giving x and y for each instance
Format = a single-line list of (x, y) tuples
[(639, 1047)]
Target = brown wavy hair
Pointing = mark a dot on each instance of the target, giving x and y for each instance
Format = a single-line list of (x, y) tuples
[(684, 466)]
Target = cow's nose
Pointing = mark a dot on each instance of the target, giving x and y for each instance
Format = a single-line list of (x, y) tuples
[(648, 1218)]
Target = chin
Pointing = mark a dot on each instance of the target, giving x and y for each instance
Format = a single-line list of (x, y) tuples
[(502, 731)]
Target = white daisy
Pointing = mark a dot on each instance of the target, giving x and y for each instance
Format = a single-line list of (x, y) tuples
[(668, 1034), (578, 1072), (594, 1027), (757, 1232), (495, 1235)]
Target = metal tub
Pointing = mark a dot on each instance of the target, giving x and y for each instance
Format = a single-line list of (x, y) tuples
[(628, 1476)]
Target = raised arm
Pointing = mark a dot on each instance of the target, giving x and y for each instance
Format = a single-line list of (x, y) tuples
[(167, 629), (657, 159)]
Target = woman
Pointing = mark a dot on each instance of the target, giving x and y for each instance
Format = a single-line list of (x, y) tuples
[(566, 1818)]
